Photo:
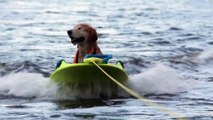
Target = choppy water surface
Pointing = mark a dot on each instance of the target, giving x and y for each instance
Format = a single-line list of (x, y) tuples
[(166, 47)]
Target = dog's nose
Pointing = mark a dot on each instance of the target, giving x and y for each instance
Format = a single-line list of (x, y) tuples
[(69, 32)]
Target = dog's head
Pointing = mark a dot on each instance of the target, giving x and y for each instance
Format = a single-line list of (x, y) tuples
[(82, 33)]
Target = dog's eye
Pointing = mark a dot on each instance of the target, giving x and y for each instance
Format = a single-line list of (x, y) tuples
[(79, 28)]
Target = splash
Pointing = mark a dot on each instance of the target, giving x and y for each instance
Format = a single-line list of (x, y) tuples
[(34, 85), (204, 57), (90, 91), (160, 79), (28, 85)]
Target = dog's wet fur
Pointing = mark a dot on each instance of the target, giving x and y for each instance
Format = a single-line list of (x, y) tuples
[(85, 37)]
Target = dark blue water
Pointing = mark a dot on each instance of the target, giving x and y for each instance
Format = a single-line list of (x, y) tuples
[(166, 47)]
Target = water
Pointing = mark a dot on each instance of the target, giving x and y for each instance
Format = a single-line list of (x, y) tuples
[(166, 47)]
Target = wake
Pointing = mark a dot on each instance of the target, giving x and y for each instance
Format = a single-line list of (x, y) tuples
[(159, 79)]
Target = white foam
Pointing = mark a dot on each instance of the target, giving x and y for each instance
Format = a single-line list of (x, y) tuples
[(159, 79), (28, 85), (204, 57), (35, 85), (91, 91)]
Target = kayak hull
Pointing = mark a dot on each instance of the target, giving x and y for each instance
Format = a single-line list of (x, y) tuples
[(88, 73)]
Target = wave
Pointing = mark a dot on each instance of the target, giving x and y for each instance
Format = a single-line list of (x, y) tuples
[(25, 66), (159, 79), (34, 85), (195, 59), (28, 85), (204, 57)]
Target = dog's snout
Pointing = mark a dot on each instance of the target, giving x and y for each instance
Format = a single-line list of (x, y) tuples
[(69, 32)]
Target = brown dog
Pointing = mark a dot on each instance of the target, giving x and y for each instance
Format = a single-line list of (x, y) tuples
[(85, 37)]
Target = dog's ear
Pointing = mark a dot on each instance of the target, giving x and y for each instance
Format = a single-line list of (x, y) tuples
[(93, 35)]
